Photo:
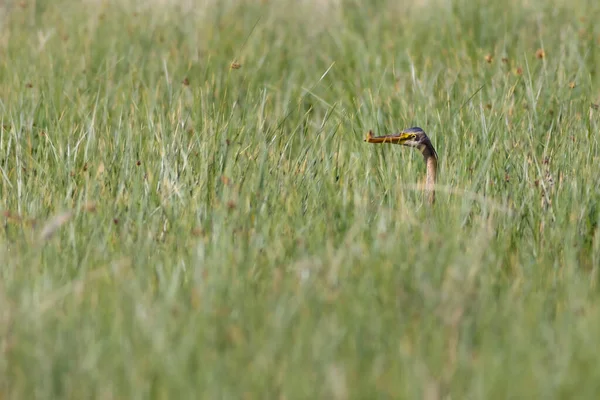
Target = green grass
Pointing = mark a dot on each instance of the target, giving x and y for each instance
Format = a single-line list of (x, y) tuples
[(228, 234)]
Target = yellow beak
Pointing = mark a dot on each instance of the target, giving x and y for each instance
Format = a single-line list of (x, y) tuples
[(396, 138)]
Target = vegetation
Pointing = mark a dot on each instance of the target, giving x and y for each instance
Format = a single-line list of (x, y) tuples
[(189, 209)]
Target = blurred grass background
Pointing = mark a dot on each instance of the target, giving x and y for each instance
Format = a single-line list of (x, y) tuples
[(189, 210)]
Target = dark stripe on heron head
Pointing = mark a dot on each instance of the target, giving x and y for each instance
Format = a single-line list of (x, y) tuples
[(414, 129)]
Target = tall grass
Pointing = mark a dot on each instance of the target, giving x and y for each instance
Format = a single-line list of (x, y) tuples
[(189, 210)]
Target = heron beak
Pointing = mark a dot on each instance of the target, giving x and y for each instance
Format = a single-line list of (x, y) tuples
[(396, 138)]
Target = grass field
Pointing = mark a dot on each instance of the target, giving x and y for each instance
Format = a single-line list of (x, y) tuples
[(189, 209)]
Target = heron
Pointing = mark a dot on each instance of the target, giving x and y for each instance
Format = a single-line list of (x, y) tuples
[(417, 138)]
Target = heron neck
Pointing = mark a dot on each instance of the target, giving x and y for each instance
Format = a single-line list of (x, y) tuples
[(430, 156)]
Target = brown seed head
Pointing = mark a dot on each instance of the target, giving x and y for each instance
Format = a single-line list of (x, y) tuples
[(540, 53)]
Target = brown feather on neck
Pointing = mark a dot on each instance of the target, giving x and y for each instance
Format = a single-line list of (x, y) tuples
[(430, 156)]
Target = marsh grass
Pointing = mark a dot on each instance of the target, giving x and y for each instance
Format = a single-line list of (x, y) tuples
[(189, 209)]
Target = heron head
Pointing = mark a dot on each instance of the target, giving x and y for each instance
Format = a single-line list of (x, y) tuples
[(411, 137)]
